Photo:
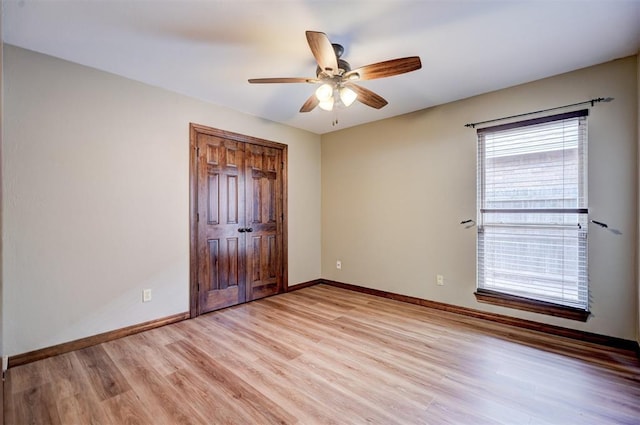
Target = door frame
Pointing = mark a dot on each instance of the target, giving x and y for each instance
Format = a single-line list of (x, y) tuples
[(194, 130)]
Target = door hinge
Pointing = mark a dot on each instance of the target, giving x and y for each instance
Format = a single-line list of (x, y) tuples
[(197, 151), (198, 217), (282, 165), (198, 284)]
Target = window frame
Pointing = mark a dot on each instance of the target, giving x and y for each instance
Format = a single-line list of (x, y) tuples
[(511, 300)]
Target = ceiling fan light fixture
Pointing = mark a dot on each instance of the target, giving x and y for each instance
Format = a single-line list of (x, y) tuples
[(347, 96), (324, 93), (327, 104)]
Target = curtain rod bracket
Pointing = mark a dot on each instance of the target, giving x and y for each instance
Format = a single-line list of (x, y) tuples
[(599, 223)]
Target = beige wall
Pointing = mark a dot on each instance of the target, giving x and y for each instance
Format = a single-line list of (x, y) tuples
[(95, 198), (95, 192), (395, 191)]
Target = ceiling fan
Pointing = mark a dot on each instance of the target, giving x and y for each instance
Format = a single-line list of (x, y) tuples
[(338, 80)]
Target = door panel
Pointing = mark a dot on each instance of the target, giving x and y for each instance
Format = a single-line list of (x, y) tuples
[(221, 251), (264, 212)]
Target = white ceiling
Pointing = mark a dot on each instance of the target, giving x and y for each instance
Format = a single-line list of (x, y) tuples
[(208, 49)]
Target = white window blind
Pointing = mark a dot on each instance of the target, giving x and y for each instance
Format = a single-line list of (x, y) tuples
[(532, 209)]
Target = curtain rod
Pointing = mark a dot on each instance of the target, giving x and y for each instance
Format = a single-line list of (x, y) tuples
[(592, 102)]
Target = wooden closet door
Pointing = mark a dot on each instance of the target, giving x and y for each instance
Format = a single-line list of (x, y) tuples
[(264, 206), (221, 214), (238, 219)]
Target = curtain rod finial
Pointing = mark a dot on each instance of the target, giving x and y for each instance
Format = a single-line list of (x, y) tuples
[(601, 99)]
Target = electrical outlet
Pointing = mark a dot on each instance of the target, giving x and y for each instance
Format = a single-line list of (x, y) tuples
[(339, 265), (146, 295), (439, 280)]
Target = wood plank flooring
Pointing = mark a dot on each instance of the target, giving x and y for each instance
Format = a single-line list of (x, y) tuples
[(324, 355)]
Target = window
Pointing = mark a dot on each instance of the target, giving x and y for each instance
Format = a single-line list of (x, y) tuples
[(532, 215)]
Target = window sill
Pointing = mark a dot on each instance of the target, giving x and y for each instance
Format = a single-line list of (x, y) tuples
[(527, 304)]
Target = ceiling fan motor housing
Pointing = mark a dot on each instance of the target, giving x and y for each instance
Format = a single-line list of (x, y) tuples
[(343, 66)]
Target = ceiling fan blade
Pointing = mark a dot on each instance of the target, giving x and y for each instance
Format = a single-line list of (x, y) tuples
[(282, 80), (310, 104), (385, 69), (368, 97), (323, 51)]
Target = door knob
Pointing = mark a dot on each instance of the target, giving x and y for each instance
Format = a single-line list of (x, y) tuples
[(242, 230), (248, 230)]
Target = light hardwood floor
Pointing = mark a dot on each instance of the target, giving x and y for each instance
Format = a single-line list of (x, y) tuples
[(323, 355)]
